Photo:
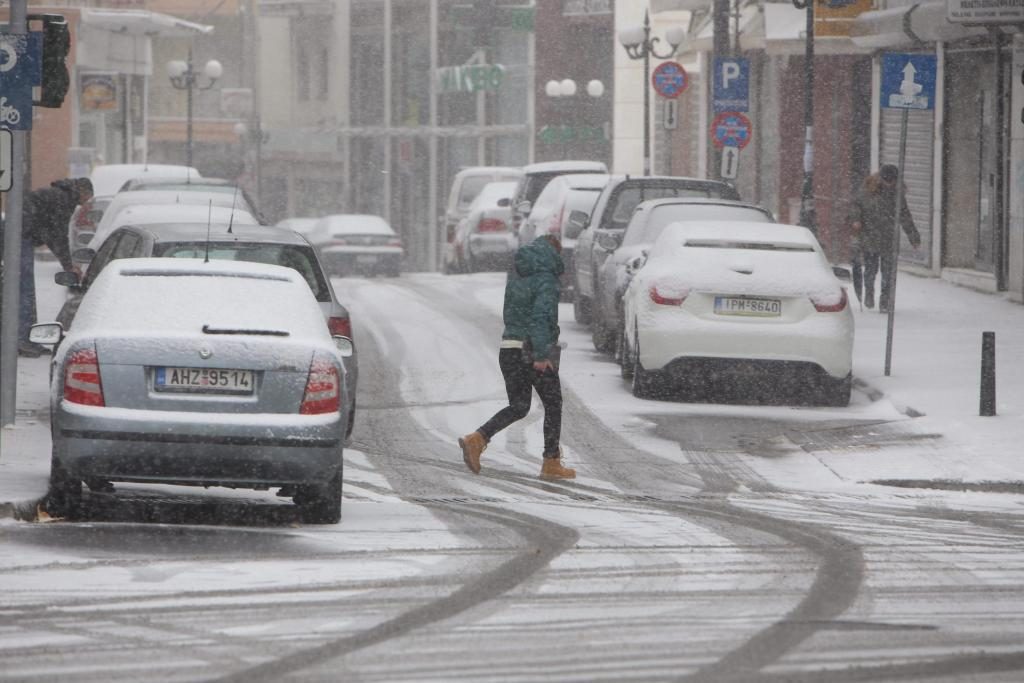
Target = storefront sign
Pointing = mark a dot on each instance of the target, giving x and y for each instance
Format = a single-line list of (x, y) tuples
[(98, 92), (470, 78), (575, 8), (985, 11)]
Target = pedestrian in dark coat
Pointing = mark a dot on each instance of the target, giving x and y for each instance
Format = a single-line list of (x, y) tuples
[(529, 354), (872, 222), (44, 220)]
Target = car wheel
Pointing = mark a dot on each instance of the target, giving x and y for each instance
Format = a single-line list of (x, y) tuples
[(320, 504), (65, 494), (601, 336), (625, 356), (645, 382), (836, 392), (581, 309)]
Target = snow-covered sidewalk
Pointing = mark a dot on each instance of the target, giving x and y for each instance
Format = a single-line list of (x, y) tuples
[(934, 385)]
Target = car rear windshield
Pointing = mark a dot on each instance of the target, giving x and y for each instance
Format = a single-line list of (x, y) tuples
[(760, 246), (299, 258), (627, 199)]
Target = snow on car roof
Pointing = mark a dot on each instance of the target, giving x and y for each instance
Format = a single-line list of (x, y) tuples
[(108, 178), (492, 192), (148, 296), (554, 166), (366, 224), (145, 214)]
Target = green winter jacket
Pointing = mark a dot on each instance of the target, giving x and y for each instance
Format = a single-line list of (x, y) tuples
[(531, 297)]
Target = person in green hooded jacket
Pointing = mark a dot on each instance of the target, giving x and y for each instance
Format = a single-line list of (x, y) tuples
[(528, 355)]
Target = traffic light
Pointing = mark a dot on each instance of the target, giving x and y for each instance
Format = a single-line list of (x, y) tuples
[(56, 45)]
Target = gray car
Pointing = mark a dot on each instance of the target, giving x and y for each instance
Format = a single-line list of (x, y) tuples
[(198, 373), (262, 244)]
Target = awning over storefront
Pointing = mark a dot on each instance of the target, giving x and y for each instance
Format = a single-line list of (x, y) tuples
[(120, 40), (778, 29), (909, 26), (142, 23)]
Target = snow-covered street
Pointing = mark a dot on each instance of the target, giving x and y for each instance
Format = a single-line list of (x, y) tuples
[(705, 542)]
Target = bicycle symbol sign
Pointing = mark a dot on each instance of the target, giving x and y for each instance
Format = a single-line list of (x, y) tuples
[(670, 79), (731, 129)]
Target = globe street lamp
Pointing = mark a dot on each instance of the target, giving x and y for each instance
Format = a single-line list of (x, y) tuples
[(639, 44), (184, 77), (567, 88)]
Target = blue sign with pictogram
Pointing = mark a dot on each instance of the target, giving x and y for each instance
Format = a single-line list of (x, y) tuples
[(20, 60), (669, 79), (731, 85), (731, 129), (908, 81)]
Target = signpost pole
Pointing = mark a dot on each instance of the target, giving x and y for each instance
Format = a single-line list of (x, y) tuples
[(12, 255), (893, 269)]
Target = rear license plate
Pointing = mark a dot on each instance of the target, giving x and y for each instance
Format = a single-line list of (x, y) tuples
[(366, 258), (203, 380), (757, 308)]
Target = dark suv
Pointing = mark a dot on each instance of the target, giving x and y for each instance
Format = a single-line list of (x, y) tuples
[(612, 212)]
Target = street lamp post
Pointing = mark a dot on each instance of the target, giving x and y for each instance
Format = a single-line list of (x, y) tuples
[(184, 77), (566, 88), (808, 219), (640, 45)]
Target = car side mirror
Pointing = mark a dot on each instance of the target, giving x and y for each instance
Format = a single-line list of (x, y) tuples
[(344, 345), (523, 208), (46, 333), (842, 273), (505, 201), (66, 278), (636, 263), (576, 223), (83, 255), (610, 241)]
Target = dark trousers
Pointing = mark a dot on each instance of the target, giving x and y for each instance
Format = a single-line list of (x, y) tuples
[(872, 263), (27, 300), (520, 381)]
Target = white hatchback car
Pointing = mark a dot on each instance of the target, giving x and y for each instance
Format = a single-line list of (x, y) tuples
[(717, 300)]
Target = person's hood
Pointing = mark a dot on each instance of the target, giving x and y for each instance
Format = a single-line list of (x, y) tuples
[(67, 186), (539, 256)]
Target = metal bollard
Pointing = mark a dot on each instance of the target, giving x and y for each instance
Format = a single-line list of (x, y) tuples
[(988, 374)]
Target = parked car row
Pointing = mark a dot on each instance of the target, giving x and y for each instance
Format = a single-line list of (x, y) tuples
[(200, 347), (681, 282)]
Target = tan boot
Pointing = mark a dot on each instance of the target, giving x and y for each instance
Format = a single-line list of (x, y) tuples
[(552, 469), (472, 446)]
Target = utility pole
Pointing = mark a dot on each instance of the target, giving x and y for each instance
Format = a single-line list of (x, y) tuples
[(808, 218), (12, 254), (720, 48)]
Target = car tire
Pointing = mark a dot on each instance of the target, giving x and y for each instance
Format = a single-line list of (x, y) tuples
[(64, 496), (351, 420), (581, 309), (320, 504), (645, 382), (835, 393), (602, 338), (625, 356)]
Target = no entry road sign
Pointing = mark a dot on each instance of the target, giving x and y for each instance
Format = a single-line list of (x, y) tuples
[(731, 129), (669, 79)]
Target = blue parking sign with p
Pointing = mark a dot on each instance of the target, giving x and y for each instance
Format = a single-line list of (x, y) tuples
[(731, 84)]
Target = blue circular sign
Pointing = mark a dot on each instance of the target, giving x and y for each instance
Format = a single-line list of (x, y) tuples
[(669, 79)]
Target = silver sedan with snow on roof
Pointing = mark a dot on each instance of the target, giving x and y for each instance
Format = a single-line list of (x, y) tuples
[(199, 373)]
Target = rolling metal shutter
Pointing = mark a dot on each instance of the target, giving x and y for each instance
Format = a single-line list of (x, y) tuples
[(917, 173)]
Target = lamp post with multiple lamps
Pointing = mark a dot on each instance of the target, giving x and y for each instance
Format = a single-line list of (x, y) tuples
[(184, 77), (566, 88), (639, 44)]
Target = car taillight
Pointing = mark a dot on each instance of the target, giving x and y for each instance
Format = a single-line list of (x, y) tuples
[(82, 378), (659, 298), (830, 304), (340, 326), (323, 389), (491, 225)]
